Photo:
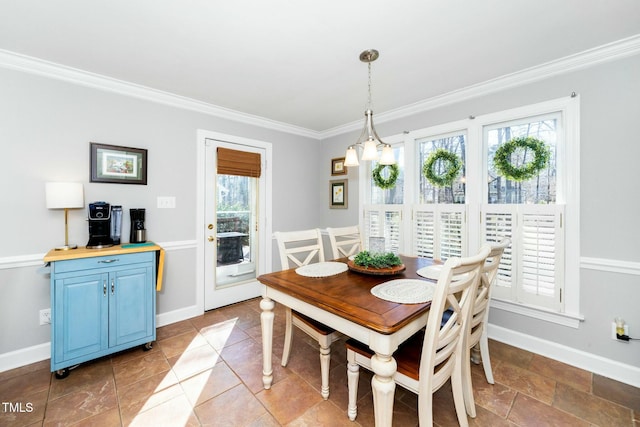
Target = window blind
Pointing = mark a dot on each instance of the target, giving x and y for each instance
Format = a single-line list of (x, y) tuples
[(235, 162)]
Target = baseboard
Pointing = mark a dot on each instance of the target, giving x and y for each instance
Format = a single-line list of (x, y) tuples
[(37, 353), (24, 356), (170, 317), (618, 371)]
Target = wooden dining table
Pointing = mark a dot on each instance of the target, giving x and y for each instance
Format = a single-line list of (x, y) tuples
[(344, 302)]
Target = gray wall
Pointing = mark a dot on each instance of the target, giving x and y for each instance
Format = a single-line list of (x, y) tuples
[(609, 196), (45, 129)]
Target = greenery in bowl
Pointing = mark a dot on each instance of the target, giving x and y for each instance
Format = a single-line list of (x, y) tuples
[(366, 259)]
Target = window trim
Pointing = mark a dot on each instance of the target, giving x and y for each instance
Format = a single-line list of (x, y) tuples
[(569, 156)]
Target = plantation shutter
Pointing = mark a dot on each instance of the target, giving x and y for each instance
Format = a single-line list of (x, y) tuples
[(383, 221), (424, 232), (439, 231), (235, 162), (499, 222), (541, 255), (531, 269)]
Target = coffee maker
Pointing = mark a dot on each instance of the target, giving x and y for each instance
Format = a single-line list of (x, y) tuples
[(138, 233), (99, 225)]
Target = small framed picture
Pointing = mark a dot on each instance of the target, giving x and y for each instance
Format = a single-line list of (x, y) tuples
[(338, 194), (338, 167), (120, 165)]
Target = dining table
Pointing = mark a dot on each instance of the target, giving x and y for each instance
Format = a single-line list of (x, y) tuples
[(344, 302)]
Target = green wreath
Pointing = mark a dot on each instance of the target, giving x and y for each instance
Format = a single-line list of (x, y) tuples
[(502, 158), (389, 182), (452, 168)]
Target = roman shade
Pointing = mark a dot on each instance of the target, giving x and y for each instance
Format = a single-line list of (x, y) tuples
[(235, 162)]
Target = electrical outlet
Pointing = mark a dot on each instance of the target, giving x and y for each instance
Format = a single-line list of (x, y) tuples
[(613, 330), (45, 316)]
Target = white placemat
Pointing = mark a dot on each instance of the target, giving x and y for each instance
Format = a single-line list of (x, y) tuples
[(431, 272), (405, 291), (322, 269)]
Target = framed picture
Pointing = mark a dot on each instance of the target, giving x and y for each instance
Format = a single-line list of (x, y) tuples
[(120, 165), (338, 194), (338, 167)]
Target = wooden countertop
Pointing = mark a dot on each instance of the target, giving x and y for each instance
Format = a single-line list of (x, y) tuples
[(83, 252)]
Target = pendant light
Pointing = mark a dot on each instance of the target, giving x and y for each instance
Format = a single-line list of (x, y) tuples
[(369, 140)]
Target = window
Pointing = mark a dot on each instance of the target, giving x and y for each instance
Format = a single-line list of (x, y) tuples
[(384, 211), (526, 211), (540, 213)]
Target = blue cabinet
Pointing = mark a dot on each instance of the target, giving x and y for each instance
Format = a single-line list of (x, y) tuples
[(100, 305)]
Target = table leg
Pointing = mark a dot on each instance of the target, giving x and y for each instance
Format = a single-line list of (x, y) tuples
[(383, 387), (266, 321)]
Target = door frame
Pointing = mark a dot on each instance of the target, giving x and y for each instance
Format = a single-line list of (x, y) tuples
[(264, 255)]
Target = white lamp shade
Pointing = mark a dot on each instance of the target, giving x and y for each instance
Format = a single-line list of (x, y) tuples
[(387, 157), (351, 158), (61, 195), (370, 151)]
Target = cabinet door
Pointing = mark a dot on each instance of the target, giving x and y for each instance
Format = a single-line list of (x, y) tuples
[(80, 316), (132, 305)]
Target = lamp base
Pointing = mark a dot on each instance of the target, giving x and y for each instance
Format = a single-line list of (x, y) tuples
[(66, 247)]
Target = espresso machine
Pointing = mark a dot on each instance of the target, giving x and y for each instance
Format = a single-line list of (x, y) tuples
[(99, 225), (138, 233)]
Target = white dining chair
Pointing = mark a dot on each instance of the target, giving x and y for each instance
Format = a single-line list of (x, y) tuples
[(480, 315), (299, 248), (345, 241), (435, 354)]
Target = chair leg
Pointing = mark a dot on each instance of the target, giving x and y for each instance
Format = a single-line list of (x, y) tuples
[(458, 395), (476, 357), (353, 375), (325, 359), (486, 360), (288, 335), (466, 383)]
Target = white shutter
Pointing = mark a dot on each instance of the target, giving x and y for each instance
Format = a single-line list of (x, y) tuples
[(452, 231), (499, 222), (424, 230), (541, 255), (383, 221), (439, 231), (531, 269)]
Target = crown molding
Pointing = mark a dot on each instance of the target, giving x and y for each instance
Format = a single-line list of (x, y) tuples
[(606, 53), (28, 64)]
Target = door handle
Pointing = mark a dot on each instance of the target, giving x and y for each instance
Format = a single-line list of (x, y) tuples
[(211, 238)]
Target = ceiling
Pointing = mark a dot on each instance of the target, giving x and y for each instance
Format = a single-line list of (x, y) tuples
[(296, 62)]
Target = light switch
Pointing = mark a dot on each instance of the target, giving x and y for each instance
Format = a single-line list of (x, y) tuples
[(166, 202)]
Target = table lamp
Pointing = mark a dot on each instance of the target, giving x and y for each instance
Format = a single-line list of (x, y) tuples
[(65, 195)]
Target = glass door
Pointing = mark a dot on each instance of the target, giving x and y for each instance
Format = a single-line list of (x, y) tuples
[(233, 236)]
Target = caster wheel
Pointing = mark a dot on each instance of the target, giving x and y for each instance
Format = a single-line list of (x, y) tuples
[(62, 373), (148, 346)]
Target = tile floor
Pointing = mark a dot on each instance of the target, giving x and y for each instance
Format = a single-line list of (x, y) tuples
[(208, 371)]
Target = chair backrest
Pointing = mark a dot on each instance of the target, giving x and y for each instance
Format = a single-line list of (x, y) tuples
[(483, 297), (298, 248), (345, 241), (443, 346)]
